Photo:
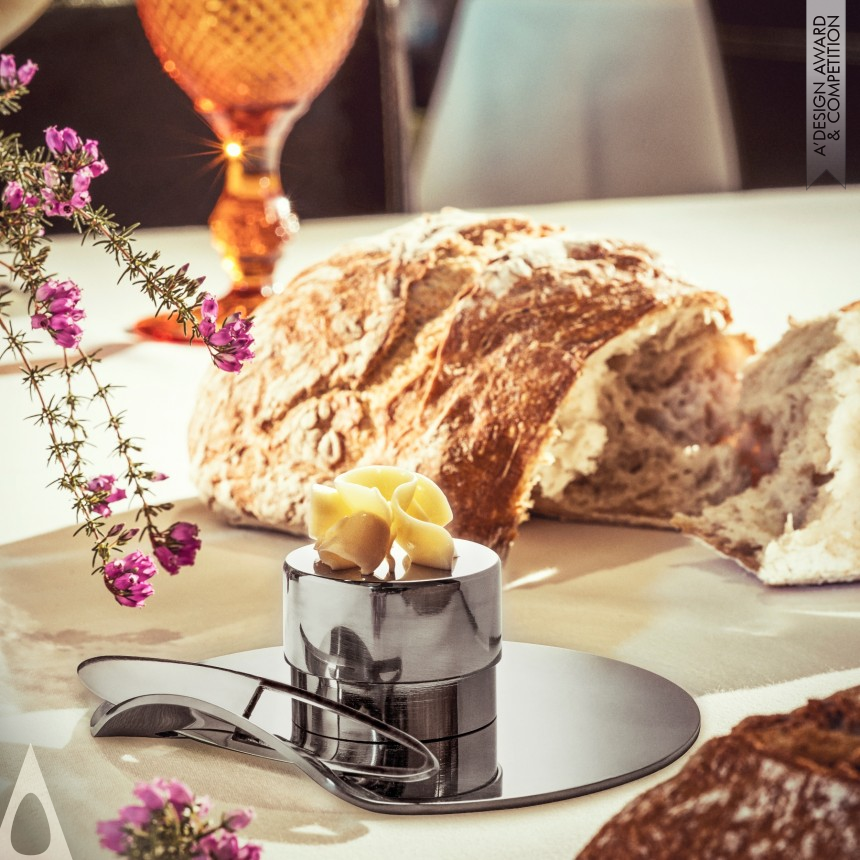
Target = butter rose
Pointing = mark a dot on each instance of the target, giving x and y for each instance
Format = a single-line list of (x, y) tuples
[(356, 522)]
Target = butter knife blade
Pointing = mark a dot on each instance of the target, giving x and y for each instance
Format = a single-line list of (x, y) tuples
[(119, 678), (208, 689)]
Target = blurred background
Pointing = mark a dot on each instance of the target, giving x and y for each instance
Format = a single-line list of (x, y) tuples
[(439, 98)]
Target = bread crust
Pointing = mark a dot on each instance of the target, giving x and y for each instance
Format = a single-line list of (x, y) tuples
[(445, 346), (745, 553), (785, 787)]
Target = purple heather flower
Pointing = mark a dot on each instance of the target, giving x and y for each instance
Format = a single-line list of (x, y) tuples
[(54, 140), (158, 793), (238, 819), (140, 830), (53, 289), (13, 195), (180, 795), (112, 836), (202, 804), (58, 312), (137, 816), (115, 836), (50, 175), (104, 484), (71, 139), (251, 851), (232, 342), (8, 69), (127, 578), (13, 76), (225, 846), (79, 199), (81, 179), (69, 337), (61, 141), (177, 547), (150, 794), (92, 162), (80, 186), (52, 205), (74, 158), (209, 306), (227, 362), (26, 72), (209, 315), (90, 159)]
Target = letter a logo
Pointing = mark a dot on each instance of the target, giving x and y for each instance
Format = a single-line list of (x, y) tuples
[(31, 781)]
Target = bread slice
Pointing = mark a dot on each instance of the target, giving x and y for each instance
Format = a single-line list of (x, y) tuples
[(648, 428), (799, 523), (451, 346), (784, 787)]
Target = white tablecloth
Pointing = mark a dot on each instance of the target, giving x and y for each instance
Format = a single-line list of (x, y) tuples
[(651, 598)]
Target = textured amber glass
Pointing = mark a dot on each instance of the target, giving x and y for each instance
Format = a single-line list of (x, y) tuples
[(251, 53), (252, 67)]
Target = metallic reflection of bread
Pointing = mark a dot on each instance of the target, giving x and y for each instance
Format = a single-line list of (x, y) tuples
[(783, 787), (504, 359)]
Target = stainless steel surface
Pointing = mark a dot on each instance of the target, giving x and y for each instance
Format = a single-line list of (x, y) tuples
[(163, 698), (417, 651), (426, 625), (467, 763), (568, 724), (429, 710)]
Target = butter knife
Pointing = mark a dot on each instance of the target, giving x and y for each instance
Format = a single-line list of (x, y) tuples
[(235, 710)]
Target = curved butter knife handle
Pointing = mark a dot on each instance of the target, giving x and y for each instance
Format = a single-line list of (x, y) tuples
[(170, 714)]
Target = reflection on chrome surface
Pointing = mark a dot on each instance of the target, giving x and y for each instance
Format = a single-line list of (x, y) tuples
[(418, 652)]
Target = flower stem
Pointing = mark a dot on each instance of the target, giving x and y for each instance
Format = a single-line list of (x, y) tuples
[(124, 446), (72, 477), (162, 291)]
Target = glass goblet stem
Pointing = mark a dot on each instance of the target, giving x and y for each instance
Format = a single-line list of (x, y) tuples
[(253, 219)]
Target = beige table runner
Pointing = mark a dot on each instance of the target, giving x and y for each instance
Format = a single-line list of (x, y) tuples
[(651, 598)]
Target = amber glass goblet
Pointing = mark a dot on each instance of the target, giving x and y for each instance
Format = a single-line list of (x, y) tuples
[(252, 68)]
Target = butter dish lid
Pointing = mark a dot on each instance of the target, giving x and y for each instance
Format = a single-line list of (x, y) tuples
[(424, 623)]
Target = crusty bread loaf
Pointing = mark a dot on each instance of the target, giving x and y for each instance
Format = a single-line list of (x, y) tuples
[(800, 406), (783, 787), (451, 346)]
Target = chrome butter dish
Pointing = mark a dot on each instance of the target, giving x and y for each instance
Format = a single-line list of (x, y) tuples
[(397, 694), (417, 650)]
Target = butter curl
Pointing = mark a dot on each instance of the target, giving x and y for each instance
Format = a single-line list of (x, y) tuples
[(356, 521)]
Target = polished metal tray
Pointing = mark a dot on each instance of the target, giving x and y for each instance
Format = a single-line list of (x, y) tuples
[(568, 724)]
